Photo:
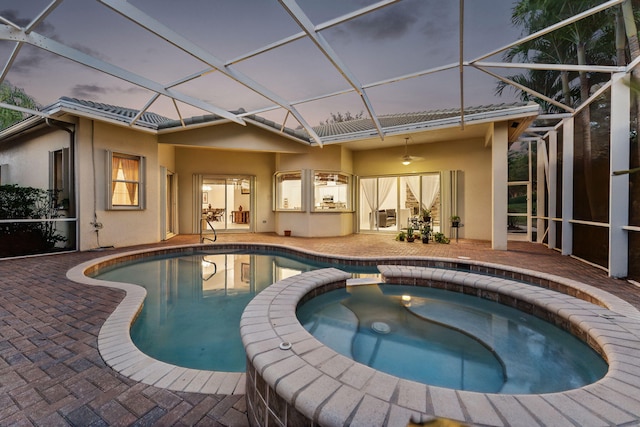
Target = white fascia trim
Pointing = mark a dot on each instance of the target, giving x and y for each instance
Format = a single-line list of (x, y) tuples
[(21, 127), (175, 129)]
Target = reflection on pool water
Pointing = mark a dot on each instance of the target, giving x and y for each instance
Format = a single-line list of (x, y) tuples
[(450, 339), (191, 315)]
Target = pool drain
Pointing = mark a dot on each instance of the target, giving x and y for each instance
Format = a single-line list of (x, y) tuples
[(381, 327)]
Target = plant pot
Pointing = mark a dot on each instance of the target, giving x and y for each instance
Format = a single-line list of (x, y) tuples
[(425, 240), (287, 233), (455, 224), (426, 219), (410, 239)]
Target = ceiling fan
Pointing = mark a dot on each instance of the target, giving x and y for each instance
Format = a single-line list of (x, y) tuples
[(407, 159)]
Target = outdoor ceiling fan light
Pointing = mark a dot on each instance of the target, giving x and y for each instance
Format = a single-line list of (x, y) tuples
[(406, 159)]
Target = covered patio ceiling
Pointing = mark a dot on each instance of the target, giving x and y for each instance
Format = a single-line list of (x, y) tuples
[(293, 62)]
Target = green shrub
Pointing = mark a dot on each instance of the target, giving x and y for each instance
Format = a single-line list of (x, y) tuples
[(24, 238)]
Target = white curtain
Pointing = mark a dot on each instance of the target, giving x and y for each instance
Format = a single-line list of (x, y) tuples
[(414, 184), (385, 185), (430, 189), (369, 190)]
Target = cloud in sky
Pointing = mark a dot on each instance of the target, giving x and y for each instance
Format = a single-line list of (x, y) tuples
[(88, 91), (386, 23), (93, 91)]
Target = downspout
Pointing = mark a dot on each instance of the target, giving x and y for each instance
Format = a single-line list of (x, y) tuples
[(97, 226), (70, 128)]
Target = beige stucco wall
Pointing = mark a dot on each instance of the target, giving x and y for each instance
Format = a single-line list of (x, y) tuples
[(231, 136), (316, 224), (192, 161), (470, 157), (125, 228), (23, 156), (119, 228), (167, 157)]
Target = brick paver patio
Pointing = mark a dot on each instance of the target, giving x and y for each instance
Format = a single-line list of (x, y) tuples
[(52, 374)]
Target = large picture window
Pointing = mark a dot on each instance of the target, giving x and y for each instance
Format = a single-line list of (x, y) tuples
[(288, 187), (331, 191), (126, 189)]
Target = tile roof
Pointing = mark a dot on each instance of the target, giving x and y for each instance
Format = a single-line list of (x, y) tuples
[(333, 131), (404, 119), (115, 112)]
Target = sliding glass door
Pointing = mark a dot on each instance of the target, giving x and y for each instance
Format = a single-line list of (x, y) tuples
[(388, 203), (226, 202)]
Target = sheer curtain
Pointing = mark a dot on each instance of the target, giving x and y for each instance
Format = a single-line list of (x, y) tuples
[(368, 186), (430, 189), (125, 178), (414, 184), (385, 185)]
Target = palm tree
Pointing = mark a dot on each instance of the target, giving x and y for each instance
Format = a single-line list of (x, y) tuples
[(10, 94), (588, 41)]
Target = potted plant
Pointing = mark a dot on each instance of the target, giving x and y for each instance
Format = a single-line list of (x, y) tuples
[(426, 215), (400, 236), (410, 236), (426, 231), (455, 221), (440, 238)]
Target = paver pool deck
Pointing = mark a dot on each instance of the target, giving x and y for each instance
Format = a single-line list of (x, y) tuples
[(51, 372)]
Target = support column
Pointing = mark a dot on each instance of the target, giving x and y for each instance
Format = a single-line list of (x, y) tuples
[(499, 180), (567, 186), (540, 189), (619, 184), (553, 187)]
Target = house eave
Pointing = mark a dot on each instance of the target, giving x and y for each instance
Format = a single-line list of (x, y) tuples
[(529, 110)]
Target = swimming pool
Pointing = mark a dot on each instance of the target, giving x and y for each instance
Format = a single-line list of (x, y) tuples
[(450, 339), (191, 314), (310, 381), (191, 318)]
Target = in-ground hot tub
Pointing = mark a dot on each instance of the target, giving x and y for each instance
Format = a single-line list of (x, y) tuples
[(293, 379)]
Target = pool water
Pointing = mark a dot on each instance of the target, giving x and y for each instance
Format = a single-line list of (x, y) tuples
[(191, 315), (450, 339)]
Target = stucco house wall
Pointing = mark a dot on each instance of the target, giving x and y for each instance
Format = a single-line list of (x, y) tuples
[(316, 224), (211, 162), (470, 157), (21, 157), (118, 227)]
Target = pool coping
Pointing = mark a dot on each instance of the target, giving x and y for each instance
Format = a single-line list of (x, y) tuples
[(118, 350), (121, 354)]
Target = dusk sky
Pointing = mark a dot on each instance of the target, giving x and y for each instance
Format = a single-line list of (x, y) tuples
[(404, 37)]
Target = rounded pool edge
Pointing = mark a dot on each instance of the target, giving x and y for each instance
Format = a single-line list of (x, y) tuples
[(310, 381), (119, 352)]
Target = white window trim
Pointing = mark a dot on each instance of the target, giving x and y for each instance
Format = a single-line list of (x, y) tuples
[(277, 189), (349, 202)]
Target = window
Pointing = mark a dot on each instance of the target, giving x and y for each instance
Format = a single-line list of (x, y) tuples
[(331, 191), (288, 188), (59, 176), (4, 174), (126, 189)]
